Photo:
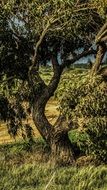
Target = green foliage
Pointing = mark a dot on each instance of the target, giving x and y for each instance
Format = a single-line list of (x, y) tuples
[(84, 103), (79, 141), (101, 6)]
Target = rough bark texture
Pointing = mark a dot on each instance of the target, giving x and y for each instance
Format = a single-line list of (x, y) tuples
[(101, 39), (99, 57), (102, 34), (61, 151)]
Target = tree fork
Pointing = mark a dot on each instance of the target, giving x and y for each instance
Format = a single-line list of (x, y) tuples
[(56, 137)]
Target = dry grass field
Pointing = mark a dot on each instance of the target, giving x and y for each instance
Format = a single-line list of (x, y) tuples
[(51, 112)]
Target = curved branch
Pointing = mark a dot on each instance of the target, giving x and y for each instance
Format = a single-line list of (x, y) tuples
[(99, 57), (40, 120)]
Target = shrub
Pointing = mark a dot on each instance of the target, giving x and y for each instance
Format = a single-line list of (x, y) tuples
[(84, 103)]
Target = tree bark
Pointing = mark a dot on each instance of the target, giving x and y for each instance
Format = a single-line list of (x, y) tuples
[(58, 140), (99, 57), (56, 136), (61, 151)]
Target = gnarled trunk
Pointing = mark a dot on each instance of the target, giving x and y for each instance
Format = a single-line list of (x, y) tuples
[(61, 152), (61, 149), (56, 136)]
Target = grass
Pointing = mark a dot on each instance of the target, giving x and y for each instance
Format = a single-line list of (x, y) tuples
[(32, 176), (24, 170)]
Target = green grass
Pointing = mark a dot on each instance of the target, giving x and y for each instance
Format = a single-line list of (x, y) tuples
[(22, 170), (35, 176)]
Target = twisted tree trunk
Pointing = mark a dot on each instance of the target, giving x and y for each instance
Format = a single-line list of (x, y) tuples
[(57, 138), (61, 149)]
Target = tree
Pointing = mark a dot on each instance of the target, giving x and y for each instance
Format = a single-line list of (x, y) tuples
[(34, 25)]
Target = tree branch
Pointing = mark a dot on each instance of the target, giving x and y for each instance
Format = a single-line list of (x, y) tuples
[(38, 44), (99, 57), (77, 57), (56, 76), (49, 23), (102, 34)]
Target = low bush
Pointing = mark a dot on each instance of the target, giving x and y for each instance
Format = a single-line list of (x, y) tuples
[(84, 103)]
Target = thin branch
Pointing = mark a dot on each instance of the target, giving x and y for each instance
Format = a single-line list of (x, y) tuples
[(55, 63), (56, 76), (101, 33), (99, 57), (84, 9), (6, 80), (61, 27), (49, 23), (102, 37), (40, 41)]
